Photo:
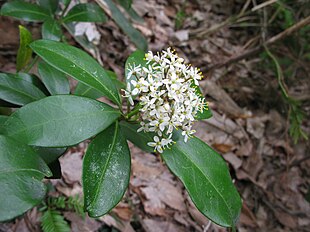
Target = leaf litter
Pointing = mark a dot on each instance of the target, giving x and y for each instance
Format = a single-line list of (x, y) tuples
[(270, 172)]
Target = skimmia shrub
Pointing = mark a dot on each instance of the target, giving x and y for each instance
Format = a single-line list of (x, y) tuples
[(161, 101)]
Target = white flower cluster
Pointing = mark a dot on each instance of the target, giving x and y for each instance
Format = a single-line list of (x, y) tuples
[(166, 88)]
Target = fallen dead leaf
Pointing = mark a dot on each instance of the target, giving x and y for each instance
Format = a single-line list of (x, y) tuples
[(79, 224), (151, 225), (285, 219), (233, 160), (71, 167)]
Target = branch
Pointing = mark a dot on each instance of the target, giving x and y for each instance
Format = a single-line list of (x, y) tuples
[(259, 48)]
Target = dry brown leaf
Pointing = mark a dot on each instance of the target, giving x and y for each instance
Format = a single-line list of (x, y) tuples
[(123, 211), (117, 223), (233, 160), (222, 147), (247, 217), (79, 224), (153, 205), (151, 225), (71, 167), (286, 219)]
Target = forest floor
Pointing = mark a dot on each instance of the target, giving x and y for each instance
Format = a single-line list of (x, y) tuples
[(249, 127)]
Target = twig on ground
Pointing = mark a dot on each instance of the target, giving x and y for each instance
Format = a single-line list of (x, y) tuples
[(259, 48)]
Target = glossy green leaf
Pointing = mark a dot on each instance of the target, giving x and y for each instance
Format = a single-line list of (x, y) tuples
[(87, 91), (49, 5), (136, 58), (119, 84), (205, 175), (25, 11), (140, 139), (18, 91), (77, 64), (126, 4), (51, 30), (3, 119), (49, 154), (106, 171), (21, 172), (33, 79), (135, 36), (87, 12), (55, 81), (24, 51), (206, 113), (59, 121)]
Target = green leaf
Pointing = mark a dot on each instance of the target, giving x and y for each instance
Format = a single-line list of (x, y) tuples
[(25, 11), (55, 81), (59, 121), (24, 52), (135, 58), (77, 64), (206, 113), (135, 36), (87, 91), (33, 79), (49, 154), (21, 172), (52, 221), (126, 4), (87, 12), (140, 139), (205, 175), (51, 30), (119, 84), (106, 171), (18, 91), (3, 119), (49, 5)]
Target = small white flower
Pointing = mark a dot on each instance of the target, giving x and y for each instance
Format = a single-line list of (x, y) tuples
[(168, 98), (156, 144), (128, 94), (133, 70)]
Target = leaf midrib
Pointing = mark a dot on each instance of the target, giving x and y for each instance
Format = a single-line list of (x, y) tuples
[(21, 170), (60, 119), (106, 165), (74, 15), (23, 93), (28, 11), (188, 157), (86, 71)]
